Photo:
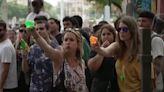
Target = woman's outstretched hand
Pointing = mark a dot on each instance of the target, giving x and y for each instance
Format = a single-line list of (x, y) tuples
[(94, 42)]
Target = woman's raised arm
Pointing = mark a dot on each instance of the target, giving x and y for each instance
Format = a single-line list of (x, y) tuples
[(52, 53), (109, 51)]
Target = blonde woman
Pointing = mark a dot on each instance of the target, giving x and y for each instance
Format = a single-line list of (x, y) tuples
[(67, 62)]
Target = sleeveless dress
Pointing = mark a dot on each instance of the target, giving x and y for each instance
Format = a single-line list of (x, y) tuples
[(74, 80)]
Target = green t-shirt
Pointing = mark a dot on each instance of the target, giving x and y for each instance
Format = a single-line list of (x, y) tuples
[(86, 50)]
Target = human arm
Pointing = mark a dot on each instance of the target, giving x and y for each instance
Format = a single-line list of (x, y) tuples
[(4, 75), (52, 53), (109, 51), (6, 59), (95, 62), (25, 64), (158, 53)]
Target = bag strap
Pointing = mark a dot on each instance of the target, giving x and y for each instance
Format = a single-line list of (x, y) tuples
[(155, 35), (60, 87)]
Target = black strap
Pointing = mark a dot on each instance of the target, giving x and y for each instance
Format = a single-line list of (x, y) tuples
[(60, 87), (155, 35)]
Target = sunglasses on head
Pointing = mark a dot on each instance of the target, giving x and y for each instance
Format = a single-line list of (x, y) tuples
[(123, 29), (72, 29)]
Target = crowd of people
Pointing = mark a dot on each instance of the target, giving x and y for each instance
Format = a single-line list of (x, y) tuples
[(51, 61)]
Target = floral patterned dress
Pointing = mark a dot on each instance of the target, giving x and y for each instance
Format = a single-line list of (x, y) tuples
[(74, 78)]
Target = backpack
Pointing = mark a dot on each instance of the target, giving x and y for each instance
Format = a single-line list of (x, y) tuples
[(155, 35)]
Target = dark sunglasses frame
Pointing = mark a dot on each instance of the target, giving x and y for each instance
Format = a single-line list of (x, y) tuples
[(22, 31), (123, 29), (41, 28)]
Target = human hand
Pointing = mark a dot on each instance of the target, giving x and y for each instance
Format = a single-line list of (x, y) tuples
[(25, 52), (105, 44), (94, 42)]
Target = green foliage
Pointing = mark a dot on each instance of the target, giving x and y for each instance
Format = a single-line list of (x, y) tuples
[(1, 1), (117, 3), (96, 11), (20, 11), (50, 10)]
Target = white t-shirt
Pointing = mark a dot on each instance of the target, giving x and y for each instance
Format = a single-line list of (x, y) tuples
[(32, 15), (8, 55), (157, 46), (157, 49)]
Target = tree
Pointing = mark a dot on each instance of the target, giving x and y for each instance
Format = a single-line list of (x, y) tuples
[(20, 11), (50, 10), (117, 3)]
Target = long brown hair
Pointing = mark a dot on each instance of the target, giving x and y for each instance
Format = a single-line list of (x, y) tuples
[(135, 41)]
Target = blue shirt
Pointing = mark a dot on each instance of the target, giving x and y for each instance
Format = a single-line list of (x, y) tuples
[(41, 69)]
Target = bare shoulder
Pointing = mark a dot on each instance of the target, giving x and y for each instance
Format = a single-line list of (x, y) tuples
[(114, 47)]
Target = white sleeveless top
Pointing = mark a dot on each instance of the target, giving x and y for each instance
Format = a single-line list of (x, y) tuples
[(74, 78)]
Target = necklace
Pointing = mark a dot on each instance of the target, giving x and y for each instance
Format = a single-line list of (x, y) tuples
[(122, 75)]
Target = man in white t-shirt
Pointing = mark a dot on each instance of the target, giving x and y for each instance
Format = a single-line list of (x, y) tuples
[(157, 46), (8, 69), (37, 6)]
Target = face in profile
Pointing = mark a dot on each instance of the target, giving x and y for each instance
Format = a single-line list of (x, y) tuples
[(144, 22), (70, 42), (53, 26)]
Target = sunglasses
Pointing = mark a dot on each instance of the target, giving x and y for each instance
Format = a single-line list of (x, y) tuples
[(41, 28), (123, 29), (22, 31)]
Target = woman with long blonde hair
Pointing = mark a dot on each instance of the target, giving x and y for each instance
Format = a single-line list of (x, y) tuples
[(69, 68)]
